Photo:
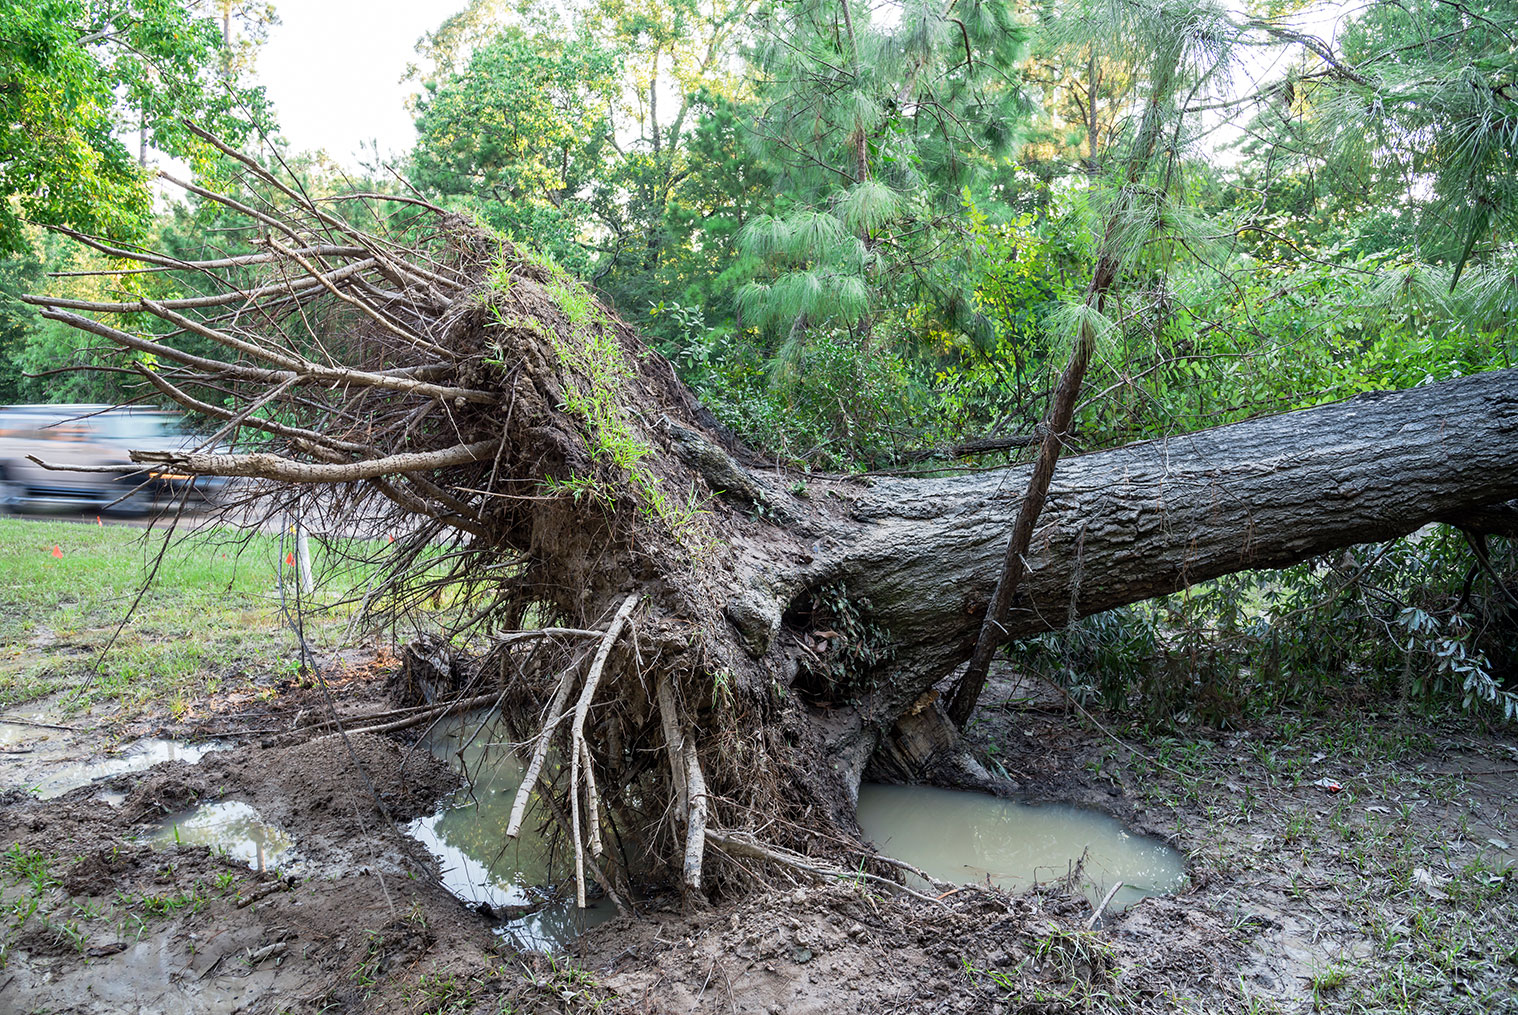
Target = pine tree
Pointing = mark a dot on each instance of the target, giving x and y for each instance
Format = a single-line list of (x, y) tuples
[(874, 120)]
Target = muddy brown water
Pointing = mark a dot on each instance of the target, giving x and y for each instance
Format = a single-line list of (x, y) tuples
[(972, 838), (955, 836), (467, 834)]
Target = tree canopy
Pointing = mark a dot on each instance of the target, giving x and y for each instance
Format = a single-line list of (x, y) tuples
[(78, 78)]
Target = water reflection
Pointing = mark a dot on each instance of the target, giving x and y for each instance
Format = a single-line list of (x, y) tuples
[(972, 838), (480, 865), (229, 826), (139, 757)]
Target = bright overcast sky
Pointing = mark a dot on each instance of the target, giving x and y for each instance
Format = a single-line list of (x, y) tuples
[(333, 69)]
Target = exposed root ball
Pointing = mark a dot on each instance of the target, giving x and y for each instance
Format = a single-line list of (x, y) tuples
[(533, 458)]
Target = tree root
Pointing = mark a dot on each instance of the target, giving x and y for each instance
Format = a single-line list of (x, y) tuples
[(741, 844), (580, 768)]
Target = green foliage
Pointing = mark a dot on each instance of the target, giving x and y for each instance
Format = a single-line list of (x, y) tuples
[(20, 274), (635, 175), (840, 411), (74, 77), (1416, 620), (39, 358), (873, 121), (698, 264), (848, 646), (522, 137), (1431, 99)]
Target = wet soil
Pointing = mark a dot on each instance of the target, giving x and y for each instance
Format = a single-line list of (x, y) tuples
[(1395, 892)]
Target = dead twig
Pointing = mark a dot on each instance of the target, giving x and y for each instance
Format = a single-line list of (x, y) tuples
[(737, 842), (260, 893), (1101, 907), (456, 705), (43, 725)]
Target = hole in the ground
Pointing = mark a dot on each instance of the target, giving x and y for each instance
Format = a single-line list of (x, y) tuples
[(967, 837), (467, 834)]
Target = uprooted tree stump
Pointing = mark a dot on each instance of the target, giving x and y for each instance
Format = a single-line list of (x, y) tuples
[(714, 651)]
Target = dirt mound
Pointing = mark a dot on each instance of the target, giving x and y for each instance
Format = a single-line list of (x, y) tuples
[(337, 774), (842, 948), (109, 922), (166, 789)]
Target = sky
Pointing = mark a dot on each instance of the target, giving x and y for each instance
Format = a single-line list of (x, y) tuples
[(333, 69)]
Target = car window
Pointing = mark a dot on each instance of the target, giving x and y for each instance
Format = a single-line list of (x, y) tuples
[(142, 426)]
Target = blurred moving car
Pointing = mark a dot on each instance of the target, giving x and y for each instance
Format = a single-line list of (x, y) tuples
[(89, 435)]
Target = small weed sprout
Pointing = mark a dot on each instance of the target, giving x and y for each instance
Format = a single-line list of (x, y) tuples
[(591, 351)]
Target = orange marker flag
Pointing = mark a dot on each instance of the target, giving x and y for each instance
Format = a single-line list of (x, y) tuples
[(290, 559), (58, 552), (99, 522)]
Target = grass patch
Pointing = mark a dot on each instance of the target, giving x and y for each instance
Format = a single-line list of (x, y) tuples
[(1393, 855), (210, 621), (34, 904)]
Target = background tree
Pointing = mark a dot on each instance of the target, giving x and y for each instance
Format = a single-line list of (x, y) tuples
[(874, 121), (523, 136), (78, 83), (70, 72), (627, 82)]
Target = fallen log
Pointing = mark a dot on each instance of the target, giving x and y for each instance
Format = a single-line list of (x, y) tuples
[(551, 468)]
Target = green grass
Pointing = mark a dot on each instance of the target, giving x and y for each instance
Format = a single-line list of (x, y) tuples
[(32, 899), (1435, 944), (210, 620)]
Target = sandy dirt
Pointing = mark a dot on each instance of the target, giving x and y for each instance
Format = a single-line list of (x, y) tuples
[(1394, 893)]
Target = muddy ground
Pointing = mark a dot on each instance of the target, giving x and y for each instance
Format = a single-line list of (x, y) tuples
[(1394, 892)]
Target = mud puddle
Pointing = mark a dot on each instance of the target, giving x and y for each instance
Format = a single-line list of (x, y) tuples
[(467, 833), (972, 838), (48, 756), (232, 828), (57, 779)]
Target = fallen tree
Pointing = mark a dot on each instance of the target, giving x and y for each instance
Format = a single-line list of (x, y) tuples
[(714, 648)]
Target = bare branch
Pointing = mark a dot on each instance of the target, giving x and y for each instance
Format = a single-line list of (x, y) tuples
[(287, 470)]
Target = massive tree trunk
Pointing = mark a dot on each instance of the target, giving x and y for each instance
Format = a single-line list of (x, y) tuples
[(719, 635), (1122, 526)]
